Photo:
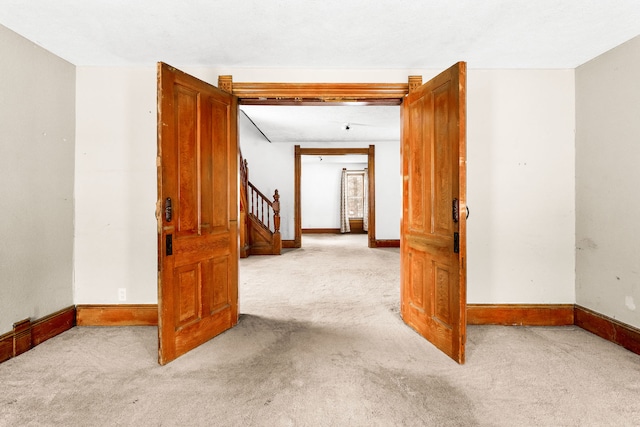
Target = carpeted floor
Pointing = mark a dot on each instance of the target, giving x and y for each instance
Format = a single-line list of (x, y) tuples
[(320, 343)]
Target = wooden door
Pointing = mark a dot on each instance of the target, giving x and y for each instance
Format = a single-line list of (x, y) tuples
[(197, 212), (433, 234)]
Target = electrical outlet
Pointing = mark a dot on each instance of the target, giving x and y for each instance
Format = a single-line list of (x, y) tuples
[(122, 294)]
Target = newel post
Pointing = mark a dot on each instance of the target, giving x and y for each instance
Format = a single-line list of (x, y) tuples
[(276, 211)]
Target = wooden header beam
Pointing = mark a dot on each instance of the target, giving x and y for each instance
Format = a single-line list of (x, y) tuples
[(315, 93)]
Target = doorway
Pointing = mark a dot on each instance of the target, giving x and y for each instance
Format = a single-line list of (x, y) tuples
[(334, 195), (369, 152), (433, 233), (357, 96), (433, 158)]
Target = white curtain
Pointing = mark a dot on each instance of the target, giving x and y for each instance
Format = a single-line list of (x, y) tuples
[(344, 211), (365, 207)]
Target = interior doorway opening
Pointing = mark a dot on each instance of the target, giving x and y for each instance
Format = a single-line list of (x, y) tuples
[(433, 158), (335, 195), (271, 131), (320, 152)]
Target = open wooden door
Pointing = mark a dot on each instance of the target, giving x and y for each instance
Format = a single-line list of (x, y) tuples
[(433, 234), (197, 212)]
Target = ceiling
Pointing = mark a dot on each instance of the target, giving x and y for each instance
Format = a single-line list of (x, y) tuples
[(327, 34), (359, 34), (330, 124)]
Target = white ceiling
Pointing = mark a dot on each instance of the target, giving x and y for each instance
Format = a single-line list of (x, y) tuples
[(327, 34), (340, 124), (404, 34), (345, 159)]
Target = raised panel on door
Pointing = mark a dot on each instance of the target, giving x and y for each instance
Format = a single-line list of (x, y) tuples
[(433, 237), (198, 229)]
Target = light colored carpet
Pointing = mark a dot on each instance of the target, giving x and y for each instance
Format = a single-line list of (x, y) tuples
[(320, 343)]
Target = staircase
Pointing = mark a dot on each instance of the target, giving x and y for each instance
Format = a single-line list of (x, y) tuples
[(259, 218)]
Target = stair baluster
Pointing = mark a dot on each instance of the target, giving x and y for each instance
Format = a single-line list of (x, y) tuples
[(260, 218)]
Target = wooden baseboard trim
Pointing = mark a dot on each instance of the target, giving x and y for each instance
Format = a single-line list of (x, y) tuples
[(117, 315), (390, 243), (520, 314), (27, 334), (320, 231), (52, 325), (6, 346), (289, 244), (21, 337), (610, 329)]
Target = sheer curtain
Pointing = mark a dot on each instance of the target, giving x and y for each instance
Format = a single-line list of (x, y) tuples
[(365, 207), (344, 211)]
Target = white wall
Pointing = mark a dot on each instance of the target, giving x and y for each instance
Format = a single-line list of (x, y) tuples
[(388, 184), (37, 121), (116, 185), (388, 191), (521, 234), (521, 186), (320, 191), (271, 168), (607, 179)]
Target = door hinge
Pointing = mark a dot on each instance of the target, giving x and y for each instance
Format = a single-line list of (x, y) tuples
[(456, 243)]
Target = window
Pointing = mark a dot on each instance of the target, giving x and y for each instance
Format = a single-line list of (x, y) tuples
[(355, 194)]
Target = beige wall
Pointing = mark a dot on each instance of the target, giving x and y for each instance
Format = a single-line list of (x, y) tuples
[(521, 241), (37, 134), (607, 182), (520, 186), (532, 222), (115, 185)]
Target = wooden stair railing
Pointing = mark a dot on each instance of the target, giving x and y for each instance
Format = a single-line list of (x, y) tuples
[(244, 204), (264, 210), (259, 218), (264, 219)]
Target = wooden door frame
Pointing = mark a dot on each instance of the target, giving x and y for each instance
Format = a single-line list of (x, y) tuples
[(258, 93), (371, 175), (317, 93)]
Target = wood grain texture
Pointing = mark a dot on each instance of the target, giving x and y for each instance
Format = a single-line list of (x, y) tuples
[(357, 226), (387, 243), (289, 244), (371, 169), (27, 334), (263, 241), (117, 315), (375, 93), (433, 246), (297, 197), (52, 325), (198, 173), (6, 346), (520, 314), (610, 329), (21, 337), (320, 231)]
